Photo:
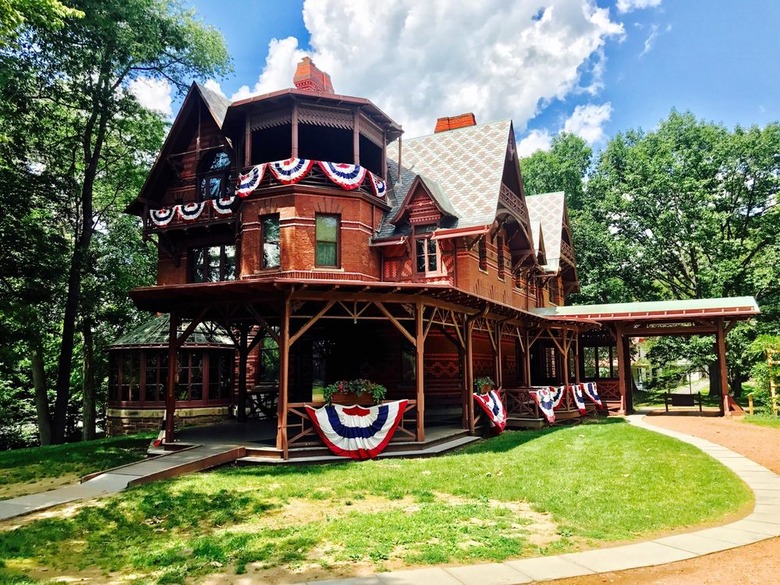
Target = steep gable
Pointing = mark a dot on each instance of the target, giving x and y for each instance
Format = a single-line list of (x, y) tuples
[(549, 209)]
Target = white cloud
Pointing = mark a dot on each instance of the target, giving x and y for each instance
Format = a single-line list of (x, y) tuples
[(624, 6), (215, 87), (588, 121), (535, 140), (422, 60), (153, 94), (650, 40)]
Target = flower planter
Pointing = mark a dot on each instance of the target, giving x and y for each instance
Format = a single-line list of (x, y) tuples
[(351, 399)]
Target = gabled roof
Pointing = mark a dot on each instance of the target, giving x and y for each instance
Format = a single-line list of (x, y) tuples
[(467, 164), (216, 103), (538, 237), (434, 191), (547, 209)]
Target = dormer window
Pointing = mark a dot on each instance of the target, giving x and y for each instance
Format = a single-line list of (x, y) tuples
[(426, 249), (214, 175)]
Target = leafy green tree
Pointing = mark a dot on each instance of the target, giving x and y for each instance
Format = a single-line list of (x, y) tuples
[(69, 87)]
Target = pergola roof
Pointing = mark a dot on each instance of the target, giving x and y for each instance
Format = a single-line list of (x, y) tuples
[(154, 333), (652, 311)]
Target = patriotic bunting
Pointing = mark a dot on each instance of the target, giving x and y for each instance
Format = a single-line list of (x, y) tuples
[(348, 177), (355, 431), (190, 211), (380, 187), (250, 181), (576, 392), (589, 389), (162, 217), (494, 408), (548, 398), (292, 170), (223, 206)]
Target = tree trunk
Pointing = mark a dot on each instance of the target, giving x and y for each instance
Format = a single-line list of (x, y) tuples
[(88, 402), (41, 396)]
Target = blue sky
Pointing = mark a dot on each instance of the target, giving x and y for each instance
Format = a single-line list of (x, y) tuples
[(593, 68)]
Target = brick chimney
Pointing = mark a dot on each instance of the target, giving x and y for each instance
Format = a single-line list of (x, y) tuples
[(309, 78), (455, 122)]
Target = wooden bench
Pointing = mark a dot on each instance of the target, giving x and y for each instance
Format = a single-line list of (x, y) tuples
[(682, 400)]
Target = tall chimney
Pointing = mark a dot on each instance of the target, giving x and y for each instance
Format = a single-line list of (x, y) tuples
[(455, 122), (309, 78)]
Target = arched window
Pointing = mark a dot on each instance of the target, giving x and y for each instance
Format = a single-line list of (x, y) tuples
[(214, 175)]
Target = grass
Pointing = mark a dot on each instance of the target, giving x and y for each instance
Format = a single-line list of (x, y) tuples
[(36, 468), (763, 420), (590, 484)]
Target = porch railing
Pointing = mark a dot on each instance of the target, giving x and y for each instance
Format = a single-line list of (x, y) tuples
[(301, 433)]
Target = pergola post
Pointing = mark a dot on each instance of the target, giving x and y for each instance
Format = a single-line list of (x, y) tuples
[(527, 359), (243, 354), (498, 355), (720, 343), (627, 380), (621, 355)]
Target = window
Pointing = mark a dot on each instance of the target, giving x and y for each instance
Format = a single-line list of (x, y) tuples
[(213, 263), (156, 375), (327, 234), (483, 254), (190, 386), (214, 175), (220, 375), (269, 360), (271, 248), (550, 363), (500, 250), (426, 249)]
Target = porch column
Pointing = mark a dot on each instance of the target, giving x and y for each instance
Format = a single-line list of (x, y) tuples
[(243, 354), (577, 378), (527, 359), (419, 370), (622, 367), (173, 370), (470, 375), (720, 342), (497, 354), (284, 377), (356, 137)]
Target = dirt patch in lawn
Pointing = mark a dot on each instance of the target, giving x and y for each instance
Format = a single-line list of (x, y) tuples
[(15, 490)]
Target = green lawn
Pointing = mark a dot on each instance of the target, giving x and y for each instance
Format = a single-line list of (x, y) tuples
[(520, 494), (763, 420), (38, 468)]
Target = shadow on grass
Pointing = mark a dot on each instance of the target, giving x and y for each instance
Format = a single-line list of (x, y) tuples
[(512, 439)]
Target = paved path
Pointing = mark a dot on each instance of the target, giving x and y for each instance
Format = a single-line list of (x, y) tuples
[(115, 480), (763, 523)]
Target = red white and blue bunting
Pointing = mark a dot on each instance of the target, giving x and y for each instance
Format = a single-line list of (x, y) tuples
[(494, 408), (590, 390), (292, 170), (579, 399), (547, 398), (190, 211), (223, 206), (162, 217), (251, 180), (379, 186), (347, 176), (356, 431)]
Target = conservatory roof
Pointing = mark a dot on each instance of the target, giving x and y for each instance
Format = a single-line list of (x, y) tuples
[(155, 331)]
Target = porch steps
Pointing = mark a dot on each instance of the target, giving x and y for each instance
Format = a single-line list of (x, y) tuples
[(306, 456)]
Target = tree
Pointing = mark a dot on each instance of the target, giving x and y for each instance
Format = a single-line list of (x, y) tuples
[(15, 14), (692, 208), (76, 79)]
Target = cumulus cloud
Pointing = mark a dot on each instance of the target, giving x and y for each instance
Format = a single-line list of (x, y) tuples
[(422, 60), (533, 141), (215, 87), (624, 6), (153, 94), (588, 121)]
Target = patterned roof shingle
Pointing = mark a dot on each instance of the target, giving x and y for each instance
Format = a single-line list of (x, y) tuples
[(548, 210), (467, 164)]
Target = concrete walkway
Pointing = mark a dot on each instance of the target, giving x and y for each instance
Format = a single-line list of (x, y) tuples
[(115, 480), (763, 523)]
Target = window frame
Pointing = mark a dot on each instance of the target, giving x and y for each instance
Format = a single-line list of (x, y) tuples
[(318, 263), (206, 267), (264, 241), (207, 172), (423, 235)]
